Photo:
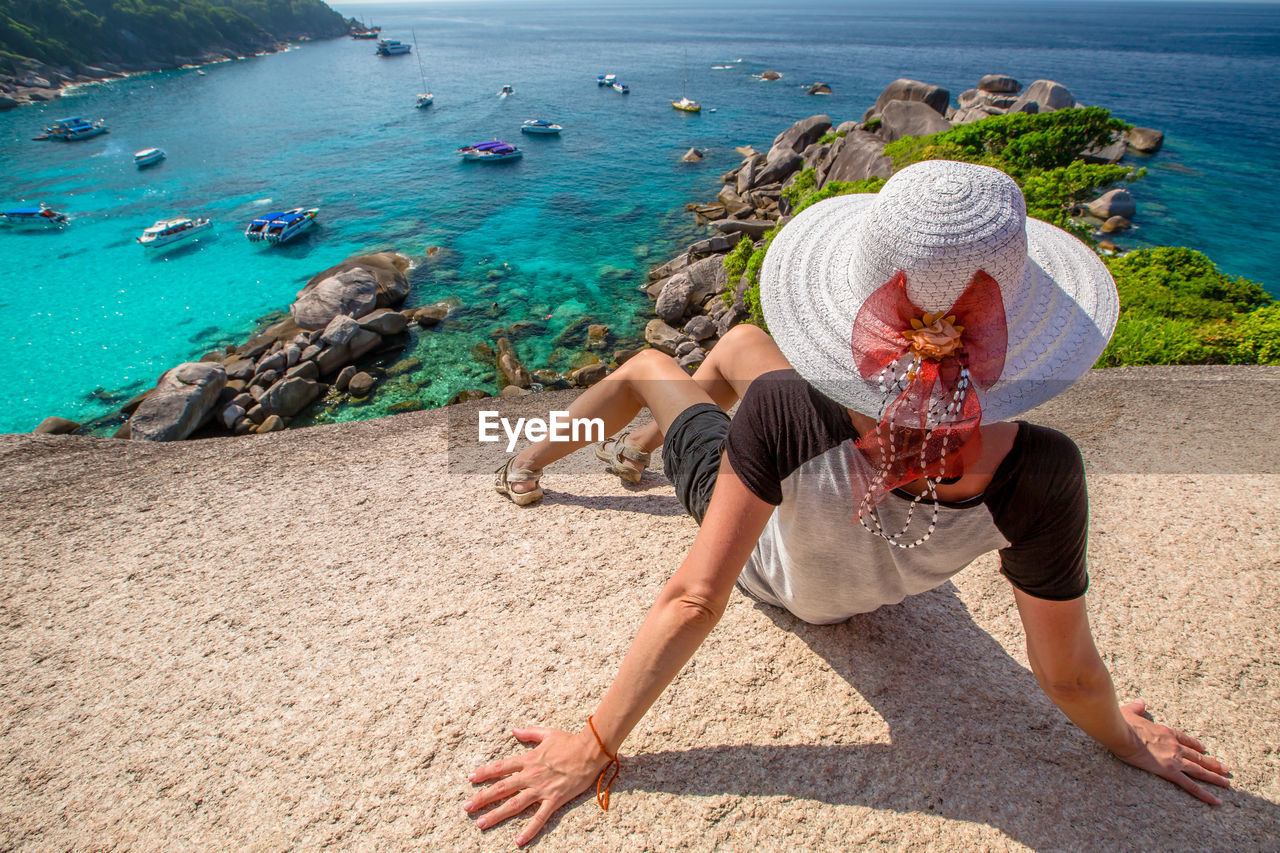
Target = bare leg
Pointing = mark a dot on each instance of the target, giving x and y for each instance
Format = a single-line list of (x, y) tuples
[(653, 380), (742, 355)]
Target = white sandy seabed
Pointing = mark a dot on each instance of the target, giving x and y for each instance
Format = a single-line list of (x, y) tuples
[(308, 638)]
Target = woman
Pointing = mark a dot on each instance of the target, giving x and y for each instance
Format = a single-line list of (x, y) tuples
[(872, 457)]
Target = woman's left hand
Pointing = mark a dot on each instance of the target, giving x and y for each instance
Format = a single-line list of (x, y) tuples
[(559, 768)]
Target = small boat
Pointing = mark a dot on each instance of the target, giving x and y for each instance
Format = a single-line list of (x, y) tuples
[(391, 47), (168, 231), (148, 157), (540, 126), (32, 217), (605, 79), (622, 88), (71, 129), (490, 152), (200, 73), (505, 90), (281, 227), (425, 98), (685, 104)]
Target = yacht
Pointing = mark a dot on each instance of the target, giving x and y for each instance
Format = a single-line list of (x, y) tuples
[(686, 104), (391, 47), (425, 98), (148, 157), (490, 152), (540, 126), (32, 217), (168, 231), (71, 129), (281, 227)]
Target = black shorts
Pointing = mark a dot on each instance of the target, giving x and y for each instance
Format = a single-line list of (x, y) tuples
[(691, 454)]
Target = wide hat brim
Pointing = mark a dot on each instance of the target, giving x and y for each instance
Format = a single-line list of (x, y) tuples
[(1059, 316)]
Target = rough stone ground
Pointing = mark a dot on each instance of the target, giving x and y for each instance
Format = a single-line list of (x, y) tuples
[(308, 638)]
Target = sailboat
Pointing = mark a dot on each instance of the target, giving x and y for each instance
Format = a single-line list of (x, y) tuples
[(425, 98), (685, 104)]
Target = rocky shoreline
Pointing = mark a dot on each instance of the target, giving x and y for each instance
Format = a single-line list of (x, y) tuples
[(351, 315)]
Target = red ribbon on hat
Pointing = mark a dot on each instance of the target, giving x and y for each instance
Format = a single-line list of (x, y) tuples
[(932, 361)]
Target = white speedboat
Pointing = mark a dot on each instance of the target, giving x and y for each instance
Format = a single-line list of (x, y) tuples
[(34, 218), (504, 91), (391, 47), (540, 126), (492, 151), (148, 157), (168, 231), (283, 226), (622, 88)]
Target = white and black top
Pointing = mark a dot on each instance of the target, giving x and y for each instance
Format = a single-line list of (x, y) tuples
[(794, 448)]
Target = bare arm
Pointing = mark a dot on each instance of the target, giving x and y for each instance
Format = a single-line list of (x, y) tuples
[(689, 606), (1067, 665)]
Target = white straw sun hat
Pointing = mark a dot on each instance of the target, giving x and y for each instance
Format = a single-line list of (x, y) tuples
[(938, 223)]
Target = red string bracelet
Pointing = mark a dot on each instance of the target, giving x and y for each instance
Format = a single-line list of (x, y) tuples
[(602, 797)]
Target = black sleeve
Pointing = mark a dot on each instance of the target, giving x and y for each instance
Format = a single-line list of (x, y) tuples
[(1042, 508), (782, 422)]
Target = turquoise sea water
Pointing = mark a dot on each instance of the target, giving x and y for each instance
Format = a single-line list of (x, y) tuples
[(89, 317)]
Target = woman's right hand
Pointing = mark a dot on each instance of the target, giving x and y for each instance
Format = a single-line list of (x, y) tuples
[(559, 768)]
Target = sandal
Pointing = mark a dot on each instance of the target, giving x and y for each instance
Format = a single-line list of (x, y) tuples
[(506, 475), (621, 450)]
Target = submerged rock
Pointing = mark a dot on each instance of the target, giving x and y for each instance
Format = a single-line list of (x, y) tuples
[(1144, 139), (54, 425)]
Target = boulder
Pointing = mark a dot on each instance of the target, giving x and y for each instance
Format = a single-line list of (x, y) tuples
[(708, 278), (255, 347), (510, 367), (548, 378), (244, 400), (778, 168), (431, 315), (290, 396), (674, 298), (310, 352), (340, 330), (468, 395), (277, 361), (267, 378), (671, 267), (685, 347), (910, 118), (753, 228), (332, 358), (999, 84), (971, 98), (693, 358), (271, 423), (351, 293), (662, 337), (231, 414), (362, 343), (967, 115), (622, 356), (514, 391), (747, 174), (733, 203), (304, 370), (693, 155), (1116, 223), (1144, 139), (735, 314), (718, 243), (344, 377), (903, 89), (819, 89), (179, 403), (585, 377), (854, 157), (8, 103), (799, 136), (388, 270), (384, 321), (700, 328), (770, 75), (597, 336), (361, 384), (1046, 95), (54, 425), (1113, 203)]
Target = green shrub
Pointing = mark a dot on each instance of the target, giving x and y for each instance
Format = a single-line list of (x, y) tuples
[(871, 126), (831, 136), (1182, 283), (735, 263)]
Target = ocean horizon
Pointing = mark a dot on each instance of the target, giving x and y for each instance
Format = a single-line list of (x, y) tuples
[(565, 234)]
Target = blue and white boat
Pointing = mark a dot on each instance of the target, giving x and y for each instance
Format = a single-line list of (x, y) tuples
[(39, 217), (539, 126), (392, 47), (148, 157), (622, 88), (283, 226), (74, 128), (490, 152), (605, 79)]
